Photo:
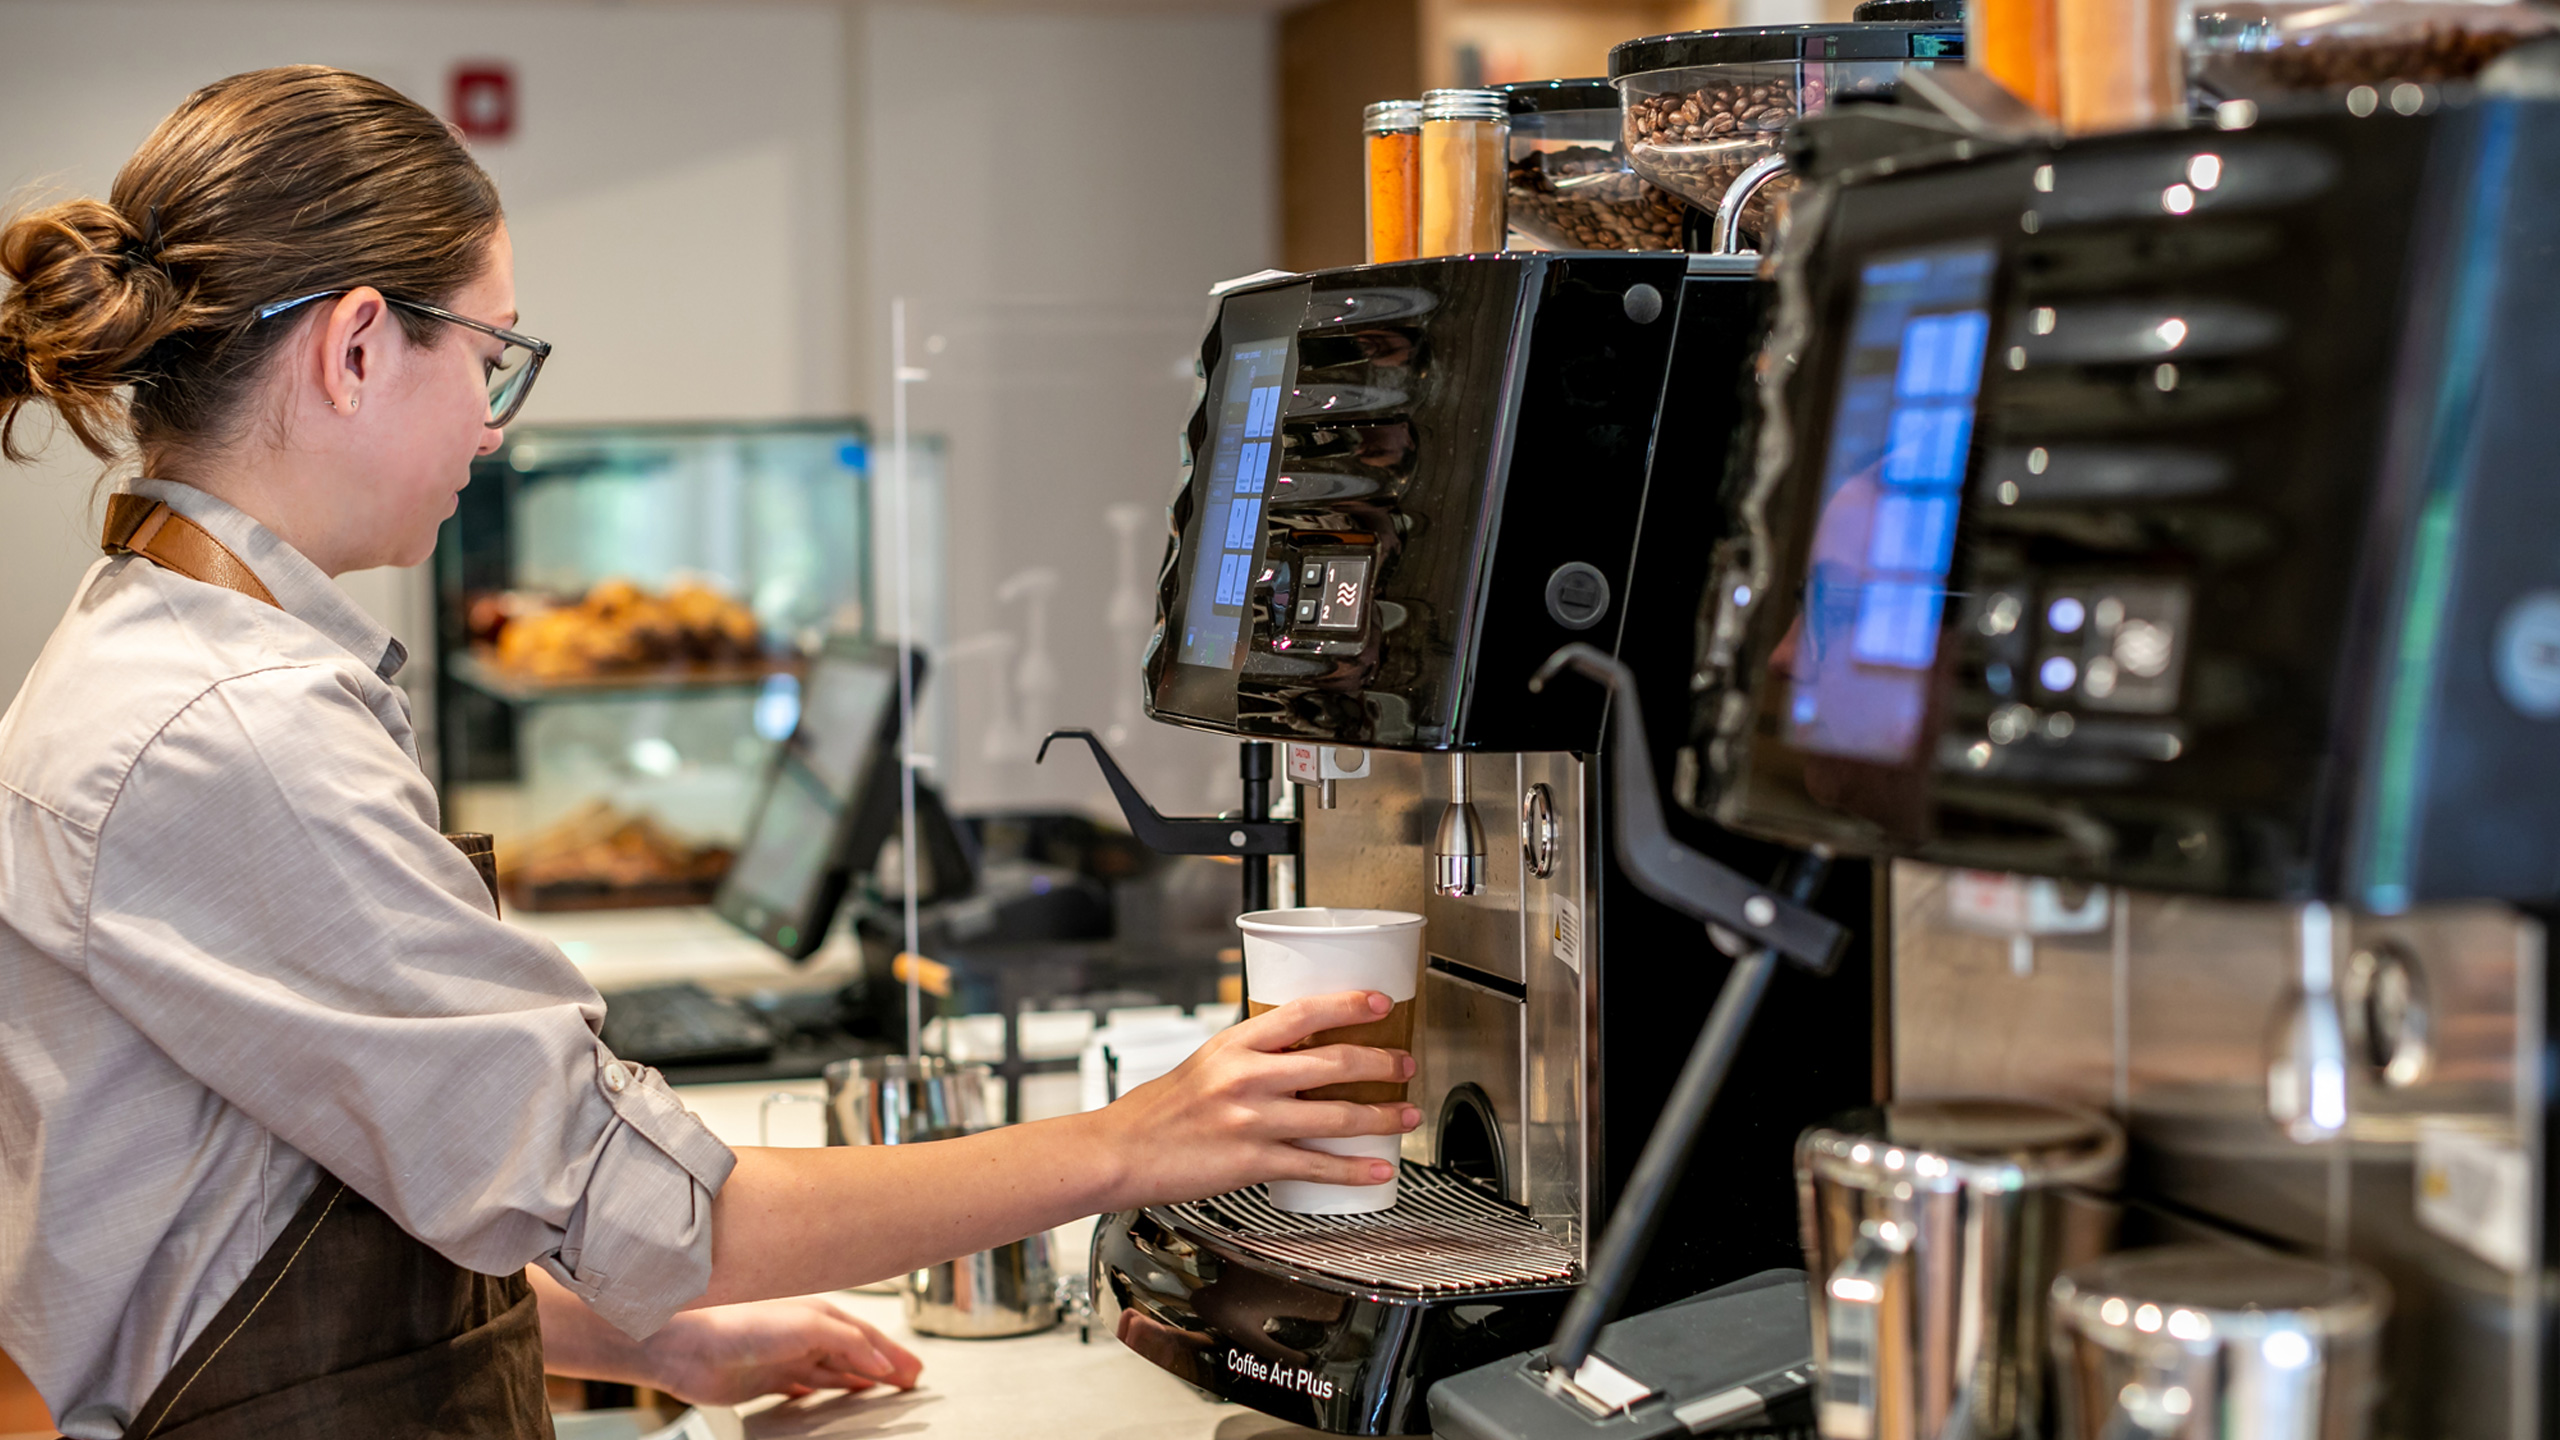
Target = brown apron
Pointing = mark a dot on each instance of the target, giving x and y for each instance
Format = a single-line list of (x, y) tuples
[(347, 1325)]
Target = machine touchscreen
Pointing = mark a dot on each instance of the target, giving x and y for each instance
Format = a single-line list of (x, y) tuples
[(1877, 576), (1252, 381), (829, 801)]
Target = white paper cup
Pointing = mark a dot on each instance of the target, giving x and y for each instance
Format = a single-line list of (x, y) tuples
[(1317, 950)]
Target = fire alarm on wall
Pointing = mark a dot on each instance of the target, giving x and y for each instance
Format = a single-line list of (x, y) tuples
[(484, 100)]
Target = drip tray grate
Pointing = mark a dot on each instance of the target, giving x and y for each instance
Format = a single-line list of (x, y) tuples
[(1444, 1235)]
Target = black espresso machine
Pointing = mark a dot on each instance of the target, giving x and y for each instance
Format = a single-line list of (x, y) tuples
[(1411, 484), (2178, 513)]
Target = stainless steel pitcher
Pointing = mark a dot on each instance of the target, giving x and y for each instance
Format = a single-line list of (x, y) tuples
[(1935, 1230), (893, 1100), (2196, 1342)]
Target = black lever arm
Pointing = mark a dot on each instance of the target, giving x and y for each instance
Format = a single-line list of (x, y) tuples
[(1696, 885), (1181, 835)]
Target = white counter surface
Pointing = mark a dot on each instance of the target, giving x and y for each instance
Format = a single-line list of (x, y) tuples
[(1050, 1385), (1037, 1385), (1047, 1385)]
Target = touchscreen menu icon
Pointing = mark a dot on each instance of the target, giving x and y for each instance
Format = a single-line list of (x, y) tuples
[(1343, 595)]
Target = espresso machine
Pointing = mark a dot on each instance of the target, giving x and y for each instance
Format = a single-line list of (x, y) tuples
[(1411, 483), (2154, 543)]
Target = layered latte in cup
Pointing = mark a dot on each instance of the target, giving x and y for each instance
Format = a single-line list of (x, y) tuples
[(1317, 950)]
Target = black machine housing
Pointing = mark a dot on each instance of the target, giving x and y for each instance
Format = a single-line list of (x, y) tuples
[(1525, 451), (2237, 583), (1450, 488)]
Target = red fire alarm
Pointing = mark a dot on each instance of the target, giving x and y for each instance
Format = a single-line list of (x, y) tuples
[(484, 100)]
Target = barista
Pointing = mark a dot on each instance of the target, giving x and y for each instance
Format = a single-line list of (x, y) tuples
[(285, 1111)]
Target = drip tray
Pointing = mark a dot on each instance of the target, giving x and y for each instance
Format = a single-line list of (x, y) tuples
[(1444, 1236)]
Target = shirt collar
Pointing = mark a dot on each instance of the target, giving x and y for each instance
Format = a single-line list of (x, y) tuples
[(300, 587)]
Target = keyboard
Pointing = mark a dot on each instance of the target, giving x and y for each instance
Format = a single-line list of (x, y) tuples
[(684, 1024)]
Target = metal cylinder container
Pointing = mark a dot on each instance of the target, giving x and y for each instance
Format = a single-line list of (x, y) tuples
[(894, 1100), (1934, 1230), (2210, 1342)]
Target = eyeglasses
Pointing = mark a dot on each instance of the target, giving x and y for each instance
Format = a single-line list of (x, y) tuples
[(510, 376)]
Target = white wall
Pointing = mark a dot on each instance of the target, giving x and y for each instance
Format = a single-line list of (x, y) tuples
[(676, 187), (1053, 194), (715, 205)]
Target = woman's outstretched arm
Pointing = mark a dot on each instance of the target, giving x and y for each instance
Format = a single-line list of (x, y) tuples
[(792, 1221)]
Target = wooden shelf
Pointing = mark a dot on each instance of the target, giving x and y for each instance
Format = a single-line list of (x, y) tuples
[(485, 675)]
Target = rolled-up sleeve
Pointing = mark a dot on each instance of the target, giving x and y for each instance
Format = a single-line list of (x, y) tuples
[(274, 908)]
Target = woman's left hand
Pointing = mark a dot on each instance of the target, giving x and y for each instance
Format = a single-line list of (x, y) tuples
[(730, 1353)]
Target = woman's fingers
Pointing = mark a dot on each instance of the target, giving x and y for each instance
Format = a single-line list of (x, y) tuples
[(1332, 1119), (903, 1366), (1326, 1169), (1339, 1065), (1286, 1025), (858, 1348)]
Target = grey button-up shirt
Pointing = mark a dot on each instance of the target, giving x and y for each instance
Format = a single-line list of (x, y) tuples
[(234, 950)]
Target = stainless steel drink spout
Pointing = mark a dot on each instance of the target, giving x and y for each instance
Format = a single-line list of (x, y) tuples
[(1457, 851)]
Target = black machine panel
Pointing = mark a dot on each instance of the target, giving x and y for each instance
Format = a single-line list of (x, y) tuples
[(1393, 515), (1479, 460), (2166, 509)]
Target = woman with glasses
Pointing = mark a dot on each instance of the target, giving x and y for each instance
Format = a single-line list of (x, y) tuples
[(296, 1137)]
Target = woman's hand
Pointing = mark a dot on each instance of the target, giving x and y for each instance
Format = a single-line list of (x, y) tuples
[(795, 1220), (1224, 1119), (723, 1354), (732, 1353)]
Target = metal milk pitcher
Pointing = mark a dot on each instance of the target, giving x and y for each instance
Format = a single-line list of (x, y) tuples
[(2210, 1342), (892, 1100), (1934, 1230)]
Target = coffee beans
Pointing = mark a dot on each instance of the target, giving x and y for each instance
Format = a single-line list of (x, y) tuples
[(1696, 143), (1583, 197), (2428, 52)]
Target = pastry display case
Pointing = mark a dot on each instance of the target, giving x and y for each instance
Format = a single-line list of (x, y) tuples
[(622, 616)]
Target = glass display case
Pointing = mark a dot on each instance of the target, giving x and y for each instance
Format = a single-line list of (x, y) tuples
[(622, 614)]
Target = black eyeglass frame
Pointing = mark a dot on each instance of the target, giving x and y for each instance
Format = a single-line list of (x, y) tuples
[(540, 349)]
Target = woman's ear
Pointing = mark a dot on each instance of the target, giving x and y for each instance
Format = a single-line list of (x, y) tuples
[(352, 336)]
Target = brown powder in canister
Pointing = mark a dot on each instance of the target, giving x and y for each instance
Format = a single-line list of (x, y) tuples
[(1464, 135), (1392, 135), (2123, 65)]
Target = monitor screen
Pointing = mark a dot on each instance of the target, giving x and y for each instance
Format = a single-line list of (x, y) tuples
[(1244, 445), (833, 779), (1876, 583)]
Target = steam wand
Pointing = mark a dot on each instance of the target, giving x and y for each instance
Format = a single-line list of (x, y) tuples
[(1736, 913), (1253, 838)]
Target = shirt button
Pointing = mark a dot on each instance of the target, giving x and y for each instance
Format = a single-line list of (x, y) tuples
[(616, 1078)]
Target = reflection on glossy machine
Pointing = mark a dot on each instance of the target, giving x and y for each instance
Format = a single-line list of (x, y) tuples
[(2234, 623)]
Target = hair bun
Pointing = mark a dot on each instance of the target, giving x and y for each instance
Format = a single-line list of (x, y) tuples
[(90, 295)]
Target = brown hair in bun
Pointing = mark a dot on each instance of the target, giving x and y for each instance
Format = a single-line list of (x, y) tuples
[(136, 316)]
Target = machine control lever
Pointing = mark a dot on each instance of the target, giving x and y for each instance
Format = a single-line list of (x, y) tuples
[(1692, 883), (1182, 834)]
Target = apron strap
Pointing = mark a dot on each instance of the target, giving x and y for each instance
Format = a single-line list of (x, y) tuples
[(140, 525)]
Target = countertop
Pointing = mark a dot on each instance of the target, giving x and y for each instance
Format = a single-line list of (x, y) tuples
[(1048, 1385)]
